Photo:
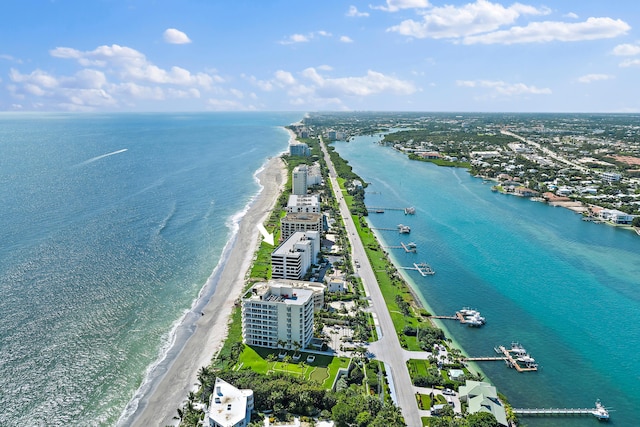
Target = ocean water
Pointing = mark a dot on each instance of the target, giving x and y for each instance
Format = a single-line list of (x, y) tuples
[(110, 226), (567, 290)]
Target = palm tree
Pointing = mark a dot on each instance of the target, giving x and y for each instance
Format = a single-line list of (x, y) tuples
[(286, 361)]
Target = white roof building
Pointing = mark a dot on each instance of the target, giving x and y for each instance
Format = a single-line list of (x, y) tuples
[(300, 221), (229, 406), (292, 259), (307, 203), (274, 313)]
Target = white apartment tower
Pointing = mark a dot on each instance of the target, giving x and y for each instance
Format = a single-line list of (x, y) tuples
[(276, 314), (299, 180), (292, 259)]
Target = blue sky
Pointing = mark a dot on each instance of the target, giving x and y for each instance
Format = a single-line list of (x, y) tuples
[(311, 55)]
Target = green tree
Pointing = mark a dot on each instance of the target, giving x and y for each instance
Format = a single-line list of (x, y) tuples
[(482, 419)]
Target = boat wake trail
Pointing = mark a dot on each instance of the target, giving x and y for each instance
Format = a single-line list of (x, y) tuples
[(93, 159)]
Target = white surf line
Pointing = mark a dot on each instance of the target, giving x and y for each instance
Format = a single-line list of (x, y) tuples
[(86, 162)]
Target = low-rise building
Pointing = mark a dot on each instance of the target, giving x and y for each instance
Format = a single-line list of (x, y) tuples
[(483, 397), (615, 216), (229, 406)]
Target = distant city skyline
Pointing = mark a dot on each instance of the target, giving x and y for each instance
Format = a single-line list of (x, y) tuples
[(284, 55)]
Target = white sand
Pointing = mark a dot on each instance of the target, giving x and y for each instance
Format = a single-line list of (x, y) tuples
[(159, 407)]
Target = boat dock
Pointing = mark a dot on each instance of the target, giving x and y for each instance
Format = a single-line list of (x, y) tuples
[(516, 357), (469, 317), (600, 412), (382, 209), (423, 268), (408, 247), (402, 229), (521, 356)]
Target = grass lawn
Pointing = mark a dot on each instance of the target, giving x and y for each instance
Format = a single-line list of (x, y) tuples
[(418, 367), (424, 401), (323, 369)]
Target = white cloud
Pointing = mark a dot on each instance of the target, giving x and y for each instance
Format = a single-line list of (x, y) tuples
[(295, 38), (396, 5), (588, 78), (371, 83), (285, 77), (473, 18), (571, 15), (10, 58), (353, 11), (129, 64), (627, 49), (173, 36), (304, 38), (630, 63), (504, 88), (311, 88), (85, 89), (548, 31), (346, 39)]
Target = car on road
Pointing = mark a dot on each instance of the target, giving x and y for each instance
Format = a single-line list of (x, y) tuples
[(448, 392)]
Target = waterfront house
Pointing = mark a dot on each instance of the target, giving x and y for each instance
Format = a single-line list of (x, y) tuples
[(483, 397), (229, 406)]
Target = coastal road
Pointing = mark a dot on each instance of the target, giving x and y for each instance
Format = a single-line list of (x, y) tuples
[(387, 348)]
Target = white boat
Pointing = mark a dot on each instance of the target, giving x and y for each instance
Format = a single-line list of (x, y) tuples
[(526, 359), (600, 412), (517, 349), (404, 229)]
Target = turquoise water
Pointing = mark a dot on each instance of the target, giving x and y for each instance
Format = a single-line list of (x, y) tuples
[(567, 290), (110, 227)]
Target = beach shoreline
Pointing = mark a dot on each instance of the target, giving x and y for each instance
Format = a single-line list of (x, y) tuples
[(158, 404)]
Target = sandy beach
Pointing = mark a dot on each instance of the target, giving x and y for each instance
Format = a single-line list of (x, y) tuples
[(159, 405)]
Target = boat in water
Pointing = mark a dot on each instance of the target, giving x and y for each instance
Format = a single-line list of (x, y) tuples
[(600, 412), (404, 229)]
